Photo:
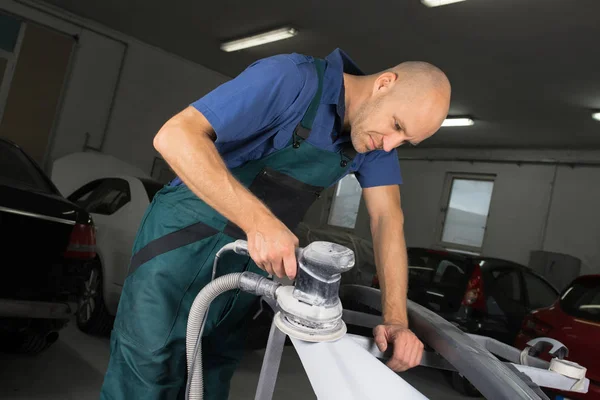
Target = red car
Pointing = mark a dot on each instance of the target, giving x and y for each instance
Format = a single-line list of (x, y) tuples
[(573, 320)]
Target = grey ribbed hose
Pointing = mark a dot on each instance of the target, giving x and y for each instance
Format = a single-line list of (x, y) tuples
[(195, 326)]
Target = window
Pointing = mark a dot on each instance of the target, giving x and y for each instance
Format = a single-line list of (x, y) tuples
[(507, 284), (103, 196), (449, 272), (81, 195), (344, 208), (539, 292), (465, 211), (436, 267), (504, 297), (582, 300)]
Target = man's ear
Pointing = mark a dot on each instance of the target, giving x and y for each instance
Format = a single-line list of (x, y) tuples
[(385, 81)]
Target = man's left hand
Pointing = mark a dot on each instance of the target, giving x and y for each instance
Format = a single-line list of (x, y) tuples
[(408, 349)]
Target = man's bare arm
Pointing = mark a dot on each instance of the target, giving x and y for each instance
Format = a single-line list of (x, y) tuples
[(186, 142), (387, 228), (389, 248)]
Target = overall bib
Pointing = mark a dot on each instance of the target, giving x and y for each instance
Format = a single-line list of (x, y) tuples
[(172, 261)]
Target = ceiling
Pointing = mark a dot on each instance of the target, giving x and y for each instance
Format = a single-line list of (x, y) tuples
[(528, 71)]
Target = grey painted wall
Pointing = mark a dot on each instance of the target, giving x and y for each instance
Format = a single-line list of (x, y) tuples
[(154, 86), (517, 211), (574, 220), (525, 212)]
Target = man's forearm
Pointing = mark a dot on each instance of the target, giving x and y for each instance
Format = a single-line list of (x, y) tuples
[(187, 144), (389, 248)]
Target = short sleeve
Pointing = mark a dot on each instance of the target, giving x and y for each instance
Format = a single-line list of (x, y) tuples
[(379, 168), (251, 102)]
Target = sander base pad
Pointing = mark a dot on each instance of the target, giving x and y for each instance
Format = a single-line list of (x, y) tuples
[(309, 334)]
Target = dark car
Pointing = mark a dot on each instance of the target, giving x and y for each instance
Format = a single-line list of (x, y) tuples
[(573, 320), (46, 243), (481, 295), (484, 296)]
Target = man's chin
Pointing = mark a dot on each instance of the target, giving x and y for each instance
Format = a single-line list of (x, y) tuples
[(361, 148)]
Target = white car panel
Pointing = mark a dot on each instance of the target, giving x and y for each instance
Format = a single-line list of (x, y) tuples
[(343, 370), (115, 237), (76, 169)]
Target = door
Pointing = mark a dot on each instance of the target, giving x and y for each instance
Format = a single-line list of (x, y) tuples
[(580, 328), (506, 303), (37, 83)]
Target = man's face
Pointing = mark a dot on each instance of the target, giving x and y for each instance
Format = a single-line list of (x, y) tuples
[(393, 117)]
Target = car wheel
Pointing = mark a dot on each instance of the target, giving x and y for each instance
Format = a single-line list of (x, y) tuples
[(463, 386), (92, 315)]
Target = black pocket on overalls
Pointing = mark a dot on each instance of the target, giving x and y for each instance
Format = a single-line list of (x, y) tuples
[(288, 198)]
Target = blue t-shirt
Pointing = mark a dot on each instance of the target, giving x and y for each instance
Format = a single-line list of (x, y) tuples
[(256, 113)]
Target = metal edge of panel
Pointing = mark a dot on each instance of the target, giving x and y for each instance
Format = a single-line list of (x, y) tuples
[(489, 375), (37, 216)]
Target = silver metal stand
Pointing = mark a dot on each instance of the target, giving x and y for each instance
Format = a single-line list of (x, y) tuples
[(270, 366)]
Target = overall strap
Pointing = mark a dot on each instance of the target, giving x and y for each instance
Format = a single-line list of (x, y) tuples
[(304, 127)]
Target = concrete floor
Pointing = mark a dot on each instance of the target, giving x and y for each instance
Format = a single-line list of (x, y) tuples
[(73, 368)]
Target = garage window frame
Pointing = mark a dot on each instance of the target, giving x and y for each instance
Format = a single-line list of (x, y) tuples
[(444, 207)]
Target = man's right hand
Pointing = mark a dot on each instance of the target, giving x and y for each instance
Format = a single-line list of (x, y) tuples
[(272, 246)]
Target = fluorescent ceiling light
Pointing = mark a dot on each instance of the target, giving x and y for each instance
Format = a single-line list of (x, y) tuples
[(257, 40), (458, 122), (596, 116), (437, 3)]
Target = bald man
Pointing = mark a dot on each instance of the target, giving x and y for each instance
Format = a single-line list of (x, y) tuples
[(251, 157)]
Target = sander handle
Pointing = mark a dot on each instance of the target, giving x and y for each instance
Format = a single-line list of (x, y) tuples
[(241, 247)]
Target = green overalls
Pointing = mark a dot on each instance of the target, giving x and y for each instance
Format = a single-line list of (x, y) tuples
[(172, 261)]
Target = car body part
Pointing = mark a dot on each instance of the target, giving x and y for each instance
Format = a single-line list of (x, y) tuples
[(47, 246)]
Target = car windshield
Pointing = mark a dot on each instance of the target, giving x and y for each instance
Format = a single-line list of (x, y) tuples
[(582, 300), (17, 170)]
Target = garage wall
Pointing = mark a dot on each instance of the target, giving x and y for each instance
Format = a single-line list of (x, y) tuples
[(574, 220), (541, 206), (89, 93), (119, 92), (518, 208), (154, 85)]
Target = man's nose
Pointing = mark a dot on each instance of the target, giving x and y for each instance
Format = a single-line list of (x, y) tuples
[(392, 142)]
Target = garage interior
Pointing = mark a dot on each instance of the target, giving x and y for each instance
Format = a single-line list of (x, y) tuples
[(85, 86)]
